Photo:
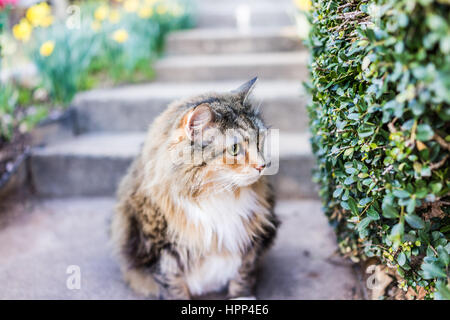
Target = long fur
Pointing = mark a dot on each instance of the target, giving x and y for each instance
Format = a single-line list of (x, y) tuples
[(185, 229)]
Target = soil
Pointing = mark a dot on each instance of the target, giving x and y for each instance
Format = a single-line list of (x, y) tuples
[(10, 151)]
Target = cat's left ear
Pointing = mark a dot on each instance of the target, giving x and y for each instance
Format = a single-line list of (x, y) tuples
[(197, 120), (243, 91)]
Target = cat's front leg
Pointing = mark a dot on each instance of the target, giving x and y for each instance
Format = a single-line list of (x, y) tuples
[(170, 276), (243, 285)]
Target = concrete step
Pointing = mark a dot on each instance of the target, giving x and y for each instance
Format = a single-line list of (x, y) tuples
[(39, 240), (93, 164), (267, 66), (235, 15), (133, 108), (221, 41)]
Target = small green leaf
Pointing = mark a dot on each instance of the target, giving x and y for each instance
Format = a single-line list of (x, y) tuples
[(436, 187), (442, 291), (353, 207), (396, 235), (401, 193), (401, 259), (373, 214), (433, 270), (443, 255), (411, 206), (389, 211), (349, 181), (424, 132), (414, 221)]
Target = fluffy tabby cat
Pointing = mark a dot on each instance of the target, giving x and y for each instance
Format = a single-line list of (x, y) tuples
[(186, 228)]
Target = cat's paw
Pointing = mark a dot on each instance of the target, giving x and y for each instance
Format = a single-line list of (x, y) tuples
[(244, 298)]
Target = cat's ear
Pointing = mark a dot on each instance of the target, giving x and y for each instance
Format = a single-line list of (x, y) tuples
[(243, 91), (197, 120)]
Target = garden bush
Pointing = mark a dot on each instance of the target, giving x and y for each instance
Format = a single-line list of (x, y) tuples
[(380, 118)]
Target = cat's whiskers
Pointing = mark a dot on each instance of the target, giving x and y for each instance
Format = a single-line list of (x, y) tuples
[(223, 183), (258, 108)]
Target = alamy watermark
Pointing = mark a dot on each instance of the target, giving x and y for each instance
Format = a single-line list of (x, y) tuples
[(73, 281)]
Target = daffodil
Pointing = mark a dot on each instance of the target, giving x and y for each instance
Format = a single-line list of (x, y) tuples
[(114, 16), (120, 35), (40, 15), (145, 12), (47, 48), (47, 21), (22, 30), (101, 13), (131, 5), (303, 5)]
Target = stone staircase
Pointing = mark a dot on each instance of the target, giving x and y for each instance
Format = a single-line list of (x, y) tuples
[(111, 123), (75, 177)]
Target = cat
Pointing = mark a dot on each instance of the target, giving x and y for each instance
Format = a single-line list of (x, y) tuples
[(183, 229)]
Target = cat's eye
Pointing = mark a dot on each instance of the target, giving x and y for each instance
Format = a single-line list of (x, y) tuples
[(234, 149)]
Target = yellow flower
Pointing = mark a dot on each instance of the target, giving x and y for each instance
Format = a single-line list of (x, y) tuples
[(161, 9), (145, 12), (40, 15), (96, 25), (47, 21), (47, 48), (131, 5), (120, 36), (22, 30), (303, 5), (114, 16), (101, 13)]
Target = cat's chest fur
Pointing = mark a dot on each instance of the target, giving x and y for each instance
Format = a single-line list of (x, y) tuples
[(221, 219)]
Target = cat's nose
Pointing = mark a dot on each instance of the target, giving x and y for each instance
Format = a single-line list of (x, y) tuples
[(260, 167)]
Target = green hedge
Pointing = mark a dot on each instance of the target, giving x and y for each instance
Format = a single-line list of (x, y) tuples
[(380, 118)]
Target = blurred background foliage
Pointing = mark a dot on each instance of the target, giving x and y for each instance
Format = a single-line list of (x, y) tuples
[(95, 43)]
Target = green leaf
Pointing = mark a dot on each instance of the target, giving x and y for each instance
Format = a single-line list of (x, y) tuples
[(436, 187), (401, 193), (373, 214), (401, 259), (353, 207), (349, 181), (442, 291), (414, 221), (389, 211), (349, 152), (443, 255), (424, 132), (396, 235), (432, 271), (411, 206), (362, 225)]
